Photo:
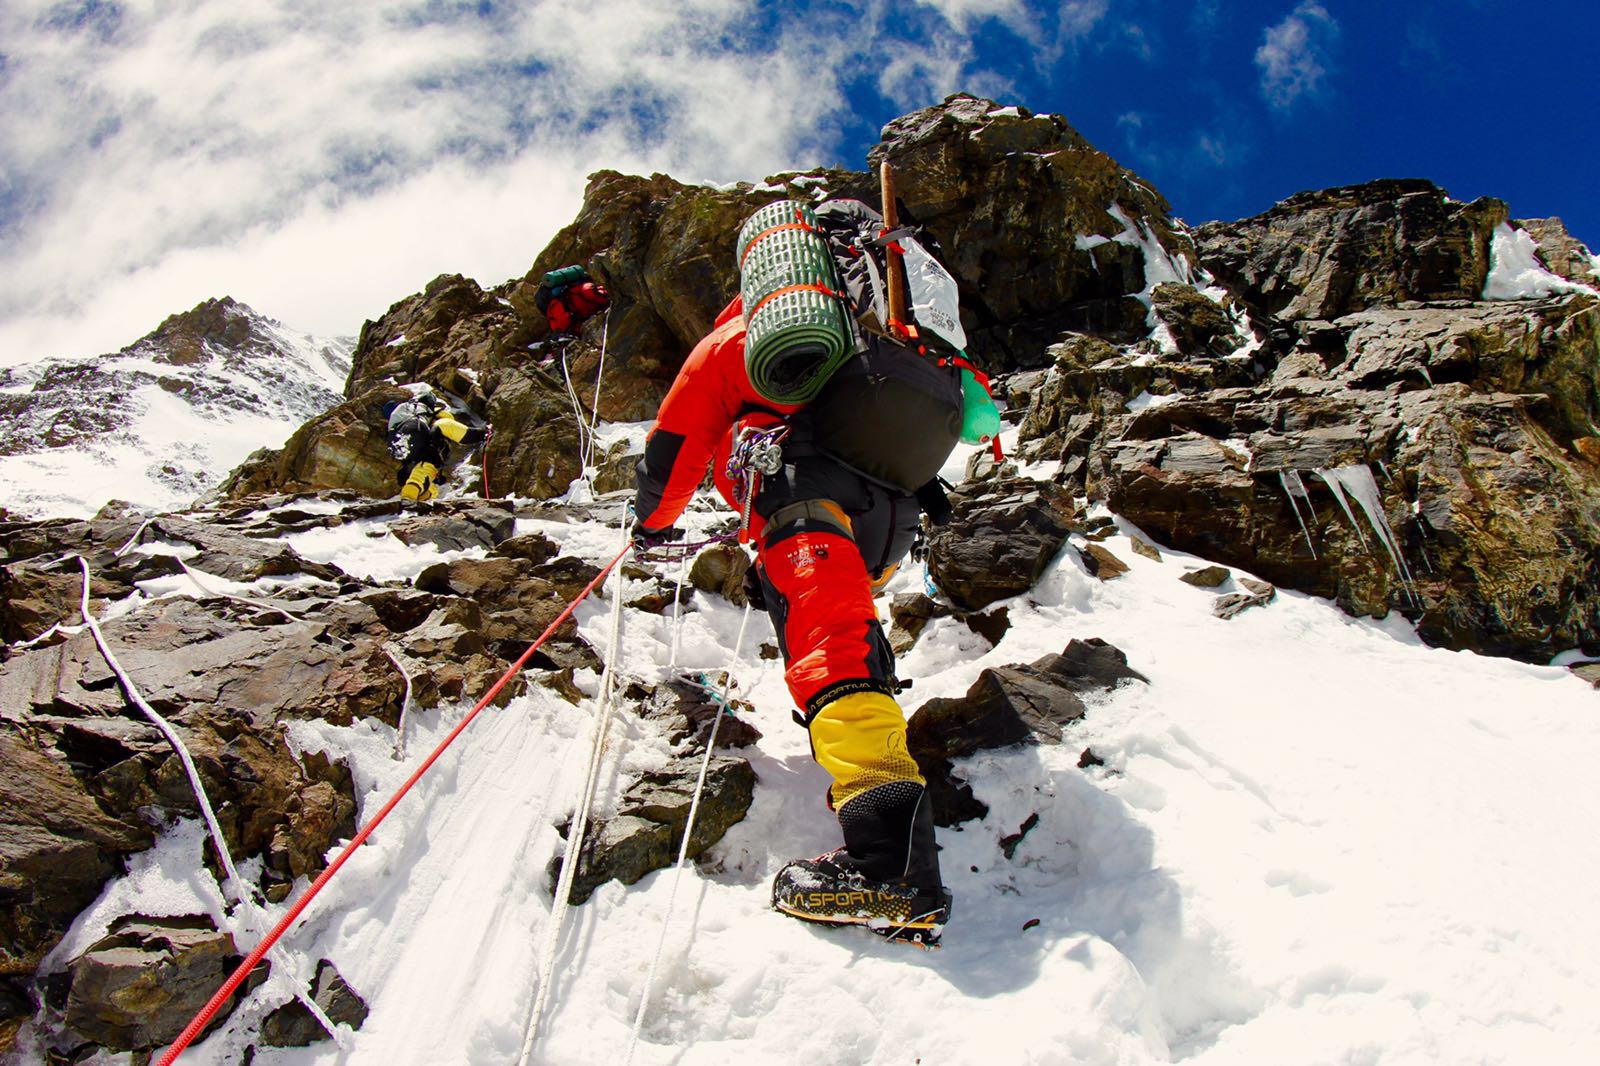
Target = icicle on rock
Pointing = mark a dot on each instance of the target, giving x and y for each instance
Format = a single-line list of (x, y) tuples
[(1332, 478), (1296, 490), (1358, 483)]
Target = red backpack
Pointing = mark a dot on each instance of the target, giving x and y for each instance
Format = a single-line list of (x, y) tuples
[(568, 297)]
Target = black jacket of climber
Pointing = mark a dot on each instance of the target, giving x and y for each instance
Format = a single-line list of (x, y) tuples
[(420, 433)]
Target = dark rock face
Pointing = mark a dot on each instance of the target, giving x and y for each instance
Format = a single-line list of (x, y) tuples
[(505, 603), (1196, 323), (647, 830), (1325, 254), (477, 527), (1562, 253), (138, 987), (1491, 502), (345, 447), (1015, 202), (58, 847), (292, 1025), (1018, 704), (721, 569), (1373, 353), (1003, 535), (691, 708)]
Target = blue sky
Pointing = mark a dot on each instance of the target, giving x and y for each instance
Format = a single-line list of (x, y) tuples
[(322, 161), (1229, 107)]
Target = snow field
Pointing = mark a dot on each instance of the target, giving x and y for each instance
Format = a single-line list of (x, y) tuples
[(1314, 840)]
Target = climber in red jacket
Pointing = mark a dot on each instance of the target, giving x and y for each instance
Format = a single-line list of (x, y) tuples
[(827, 537)]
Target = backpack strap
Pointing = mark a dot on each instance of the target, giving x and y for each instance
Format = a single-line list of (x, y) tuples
[(889, 238), (758, 238), (775, 293)]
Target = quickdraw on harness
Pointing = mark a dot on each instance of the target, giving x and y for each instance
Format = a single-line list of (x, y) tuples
[(755, 452)]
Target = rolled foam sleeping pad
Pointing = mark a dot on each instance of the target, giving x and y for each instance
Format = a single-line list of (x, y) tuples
[(567, 275), (794, 340)]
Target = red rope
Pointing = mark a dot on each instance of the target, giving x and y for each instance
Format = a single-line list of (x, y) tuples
[(202, 1019), (485, 458)]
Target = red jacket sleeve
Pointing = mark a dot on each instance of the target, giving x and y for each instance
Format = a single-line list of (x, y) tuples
[(708, 396)]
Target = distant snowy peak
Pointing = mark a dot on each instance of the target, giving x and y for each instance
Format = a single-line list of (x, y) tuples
[(165, 418), (254, 358)]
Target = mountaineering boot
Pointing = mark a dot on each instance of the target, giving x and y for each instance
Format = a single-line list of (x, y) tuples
[(886, 876), (421, 484)]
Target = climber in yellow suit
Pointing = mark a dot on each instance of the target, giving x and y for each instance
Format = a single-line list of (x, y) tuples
[(421, 431)]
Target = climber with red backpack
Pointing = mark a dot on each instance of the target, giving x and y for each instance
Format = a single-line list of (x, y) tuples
[(568, 297), (859, 405)]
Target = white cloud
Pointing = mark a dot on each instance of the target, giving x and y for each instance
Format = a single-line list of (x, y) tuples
[(320, 161), (1293, 54), (1214, 148), (963, 13)]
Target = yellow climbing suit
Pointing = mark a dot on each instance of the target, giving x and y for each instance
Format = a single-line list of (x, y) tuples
[(422, 483)]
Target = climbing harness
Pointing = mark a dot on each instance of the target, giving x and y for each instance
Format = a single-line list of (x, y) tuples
[(249, 908), (559, 905), (209, 1011), (688, 832), (755, 452)]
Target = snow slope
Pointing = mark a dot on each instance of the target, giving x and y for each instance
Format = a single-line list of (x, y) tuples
[(1313, 840)]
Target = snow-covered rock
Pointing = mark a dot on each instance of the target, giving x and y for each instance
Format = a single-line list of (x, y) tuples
[(164, 419)]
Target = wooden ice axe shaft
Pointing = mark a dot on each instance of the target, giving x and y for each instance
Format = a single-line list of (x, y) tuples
[(896, 268)]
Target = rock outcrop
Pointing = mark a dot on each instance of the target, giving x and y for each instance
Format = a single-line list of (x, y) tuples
[(1325, 254), (1025, 703), (292, 1025), (647, 830), (87, 780), (137, 987), (1001, 537), (1472, 417), (1043, 231), (1393, 441)]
